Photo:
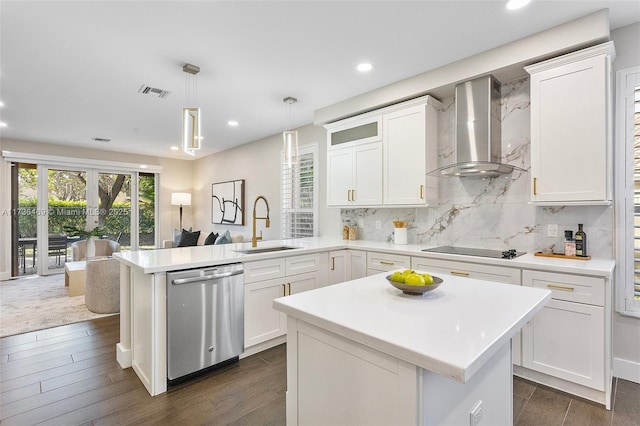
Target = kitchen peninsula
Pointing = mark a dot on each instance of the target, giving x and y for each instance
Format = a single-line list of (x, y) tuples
[(378, 356), (143, 331)]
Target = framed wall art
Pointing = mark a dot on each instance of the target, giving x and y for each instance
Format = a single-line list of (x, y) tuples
[(227, 202)]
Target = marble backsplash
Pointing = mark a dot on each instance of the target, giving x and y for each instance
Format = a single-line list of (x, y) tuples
[(492, 212)]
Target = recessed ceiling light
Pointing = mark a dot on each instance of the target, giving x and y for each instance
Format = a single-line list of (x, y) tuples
[(364, 67), (232, 123), (174, 148), (1, 104), (3, 124), (517, 4)]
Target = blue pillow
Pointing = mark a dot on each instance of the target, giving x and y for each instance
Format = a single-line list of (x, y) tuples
[(223, 239)]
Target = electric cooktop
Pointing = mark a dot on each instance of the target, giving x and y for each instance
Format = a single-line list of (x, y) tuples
[(466, 251)]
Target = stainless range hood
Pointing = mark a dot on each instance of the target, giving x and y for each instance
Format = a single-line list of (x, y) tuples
[(477, 134)]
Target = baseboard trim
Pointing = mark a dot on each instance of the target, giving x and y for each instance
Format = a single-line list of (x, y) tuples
[(123, 356), (627, 370), (4, 276)]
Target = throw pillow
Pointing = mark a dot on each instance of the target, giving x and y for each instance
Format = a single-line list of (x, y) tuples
[(188, 239), (211, 238), (176, 237), (224, 238)]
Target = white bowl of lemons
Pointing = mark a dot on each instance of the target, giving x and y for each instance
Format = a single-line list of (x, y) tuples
[(414, 282)]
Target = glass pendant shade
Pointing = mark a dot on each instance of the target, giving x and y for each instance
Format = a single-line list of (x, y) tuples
[(191, 136), (290, 147)]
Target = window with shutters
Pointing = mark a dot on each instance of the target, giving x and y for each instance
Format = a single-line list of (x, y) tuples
[(299, 195), (628, 192)]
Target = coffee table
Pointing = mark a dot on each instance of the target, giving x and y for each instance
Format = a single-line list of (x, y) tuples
[(74, 273)]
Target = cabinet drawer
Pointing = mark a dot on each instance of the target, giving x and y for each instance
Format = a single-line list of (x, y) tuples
[(498, 274), (263, 270), (302, 264), (387, 262), (572, 288)]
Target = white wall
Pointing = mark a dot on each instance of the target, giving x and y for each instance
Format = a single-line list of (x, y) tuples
[(177, 176), (258, 163), (626, 330)]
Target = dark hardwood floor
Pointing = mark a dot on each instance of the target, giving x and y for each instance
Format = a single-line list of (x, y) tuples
[(69, 376)]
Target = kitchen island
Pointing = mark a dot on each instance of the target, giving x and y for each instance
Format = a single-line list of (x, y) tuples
[(378, 356)]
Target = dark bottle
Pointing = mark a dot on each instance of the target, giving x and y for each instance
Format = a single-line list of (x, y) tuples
[(581, 242)]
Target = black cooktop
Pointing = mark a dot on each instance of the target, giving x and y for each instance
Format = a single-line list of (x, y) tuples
[(466, 251)]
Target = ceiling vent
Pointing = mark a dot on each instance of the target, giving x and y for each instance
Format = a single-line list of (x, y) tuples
[(101, 139), (153, 91)]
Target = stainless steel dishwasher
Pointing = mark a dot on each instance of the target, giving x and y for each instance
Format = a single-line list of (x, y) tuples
[(205, 319)]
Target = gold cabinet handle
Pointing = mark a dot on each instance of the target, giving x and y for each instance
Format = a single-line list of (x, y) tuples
[(560, 287), (284, 290), (289, 286), (353, 195), (333, 263), (462, 274), (422, 192), (535, 181), (348, 195), (382, 262)]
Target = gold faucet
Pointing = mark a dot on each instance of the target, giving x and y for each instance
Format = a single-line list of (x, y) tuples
[(254, 239)]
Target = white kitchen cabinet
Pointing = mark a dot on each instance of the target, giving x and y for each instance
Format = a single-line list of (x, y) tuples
[(407, 134), (569, 338), (261, 321), (347, 265), (355, 130), (382, 262), (356, 264), (571, 128), (354, 175), (337, 266), (266, 280)]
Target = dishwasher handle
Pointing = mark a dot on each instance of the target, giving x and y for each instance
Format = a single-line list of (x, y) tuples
[(206, 277)]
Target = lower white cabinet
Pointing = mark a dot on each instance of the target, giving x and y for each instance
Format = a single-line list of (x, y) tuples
[(347, 265), (382, 262), (567, 338), (266, 280)]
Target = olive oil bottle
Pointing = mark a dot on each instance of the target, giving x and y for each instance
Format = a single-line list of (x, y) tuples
[(581, 242)]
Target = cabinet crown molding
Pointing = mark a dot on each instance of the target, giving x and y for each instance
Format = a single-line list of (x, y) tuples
[(601, 49)]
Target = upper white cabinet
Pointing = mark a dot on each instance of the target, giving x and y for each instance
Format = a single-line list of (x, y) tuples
[(381, 157), (354, 175), (571, 128), (406, 135)]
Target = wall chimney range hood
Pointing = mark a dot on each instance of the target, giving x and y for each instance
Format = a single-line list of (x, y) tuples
[(477, 132)]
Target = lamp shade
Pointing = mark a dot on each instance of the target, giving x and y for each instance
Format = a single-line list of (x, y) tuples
[(180, 199)]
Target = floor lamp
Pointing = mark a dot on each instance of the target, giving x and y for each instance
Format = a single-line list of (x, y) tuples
[(180, 199)]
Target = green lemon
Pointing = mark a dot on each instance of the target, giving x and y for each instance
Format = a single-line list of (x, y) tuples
[(397, 277), (428, 279), (414, 279)]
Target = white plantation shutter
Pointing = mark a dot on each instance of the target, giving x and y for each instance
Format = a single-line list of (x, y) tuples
[(636, 197), (299, 195)]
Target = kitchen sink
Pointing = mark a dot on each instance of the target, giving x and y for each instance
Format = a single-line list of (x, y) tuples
[(256, 250)]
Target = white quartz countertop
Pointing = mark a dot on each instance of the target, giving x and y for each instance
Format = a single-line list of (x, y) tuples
[(163, 260), (452, 330)]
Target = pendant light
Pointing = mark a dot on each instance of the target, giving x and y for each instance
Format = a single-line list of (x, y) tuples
[(290, 137), (191, 136)]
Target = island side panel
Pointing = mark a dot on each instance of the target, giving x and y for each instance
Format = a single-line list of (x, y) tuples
[(446, 401), (123, 348), (359, 384), (148, 335)]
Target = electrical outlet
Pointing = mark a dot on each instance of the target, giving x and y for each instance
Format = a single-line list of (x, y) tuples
[(475, 415), (552, 230), (378, 224), (361, 223)]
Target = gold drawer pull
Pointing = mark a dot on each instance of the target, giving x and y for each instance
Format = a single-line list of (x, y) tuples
[(284, 290), (462, 274), (382, 262), (422, 192), (560, 287), (289, 285), (535, 181), (333, 263)]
